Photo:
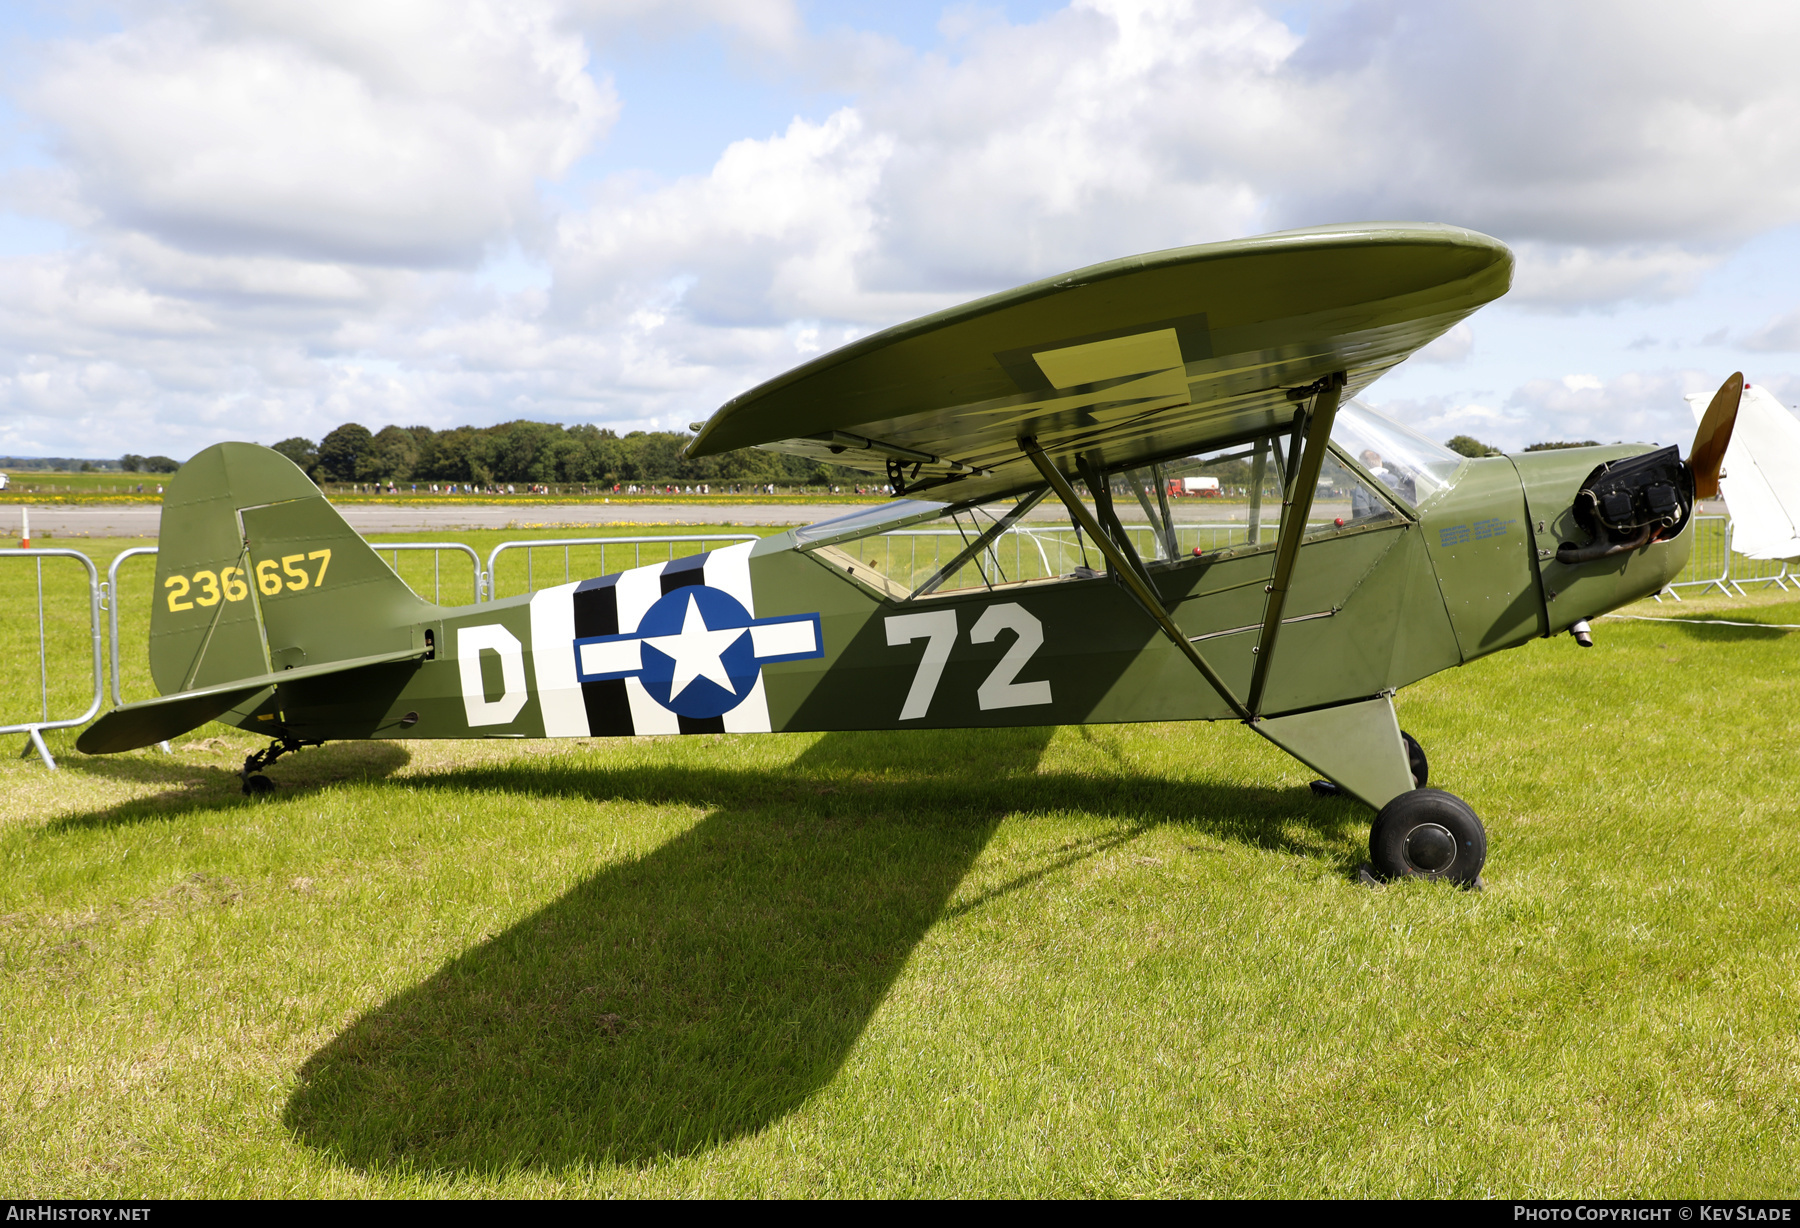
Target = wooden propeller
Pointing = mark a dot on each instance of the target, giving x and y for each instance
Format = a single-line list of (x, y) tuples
[(1708, 452)]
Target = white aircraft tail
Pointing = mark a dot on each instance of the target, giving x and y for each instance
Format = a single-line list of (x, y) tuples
[(1761, 477)]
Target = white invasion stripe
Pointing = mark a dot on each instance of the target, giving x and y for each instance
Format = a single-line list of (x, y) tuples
[(636, 591), (752, 715), (552, 635), (612, 657), (728, 570), (648, 716), (783, 639)]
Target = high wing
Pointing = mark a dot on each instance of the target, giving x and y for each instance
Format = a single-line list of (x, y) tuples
[(1127, 362)]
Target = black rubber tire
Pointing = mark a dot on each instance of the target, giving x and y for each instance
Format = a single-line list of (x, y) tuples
[(1415, 755), (1428, 834), (254, 785)]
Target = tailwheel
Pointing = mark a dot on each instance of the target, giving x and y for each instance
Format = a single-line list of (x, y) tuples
[(1428, 834), (254, 781)]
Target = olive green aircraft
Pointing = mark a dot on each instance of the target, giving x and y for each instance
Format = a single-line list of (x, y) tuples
[(1042, 561)]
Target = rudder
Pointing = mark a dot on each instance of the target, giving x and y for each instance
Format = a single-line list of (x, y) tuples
[(256, 572)]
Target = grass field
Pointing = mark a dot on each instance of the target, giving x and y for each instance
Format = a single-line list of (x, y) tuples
[(1105, 960)]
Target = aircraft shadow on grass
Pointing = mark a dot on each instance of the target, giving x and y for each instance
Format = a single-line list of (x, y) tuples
[(671, 1003), (1706, 631), (196, 788)]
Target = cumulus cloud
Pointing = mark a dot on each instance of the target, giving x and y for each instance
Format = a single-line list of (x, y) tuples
[(1637, 406), (774, 232), (1560, 276), (1633, 407), (1488, 419), (1585, 124), (389, 134), (1782, 334), (1453, 347), (1116, 126), (282, 206)]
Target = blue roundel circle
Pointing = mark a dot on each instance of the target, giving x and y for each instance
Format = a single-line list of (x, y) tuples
[(695, 622)]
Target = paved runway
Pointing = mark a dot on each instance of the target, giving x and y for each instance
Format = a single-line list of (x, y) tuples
[(141, 520)]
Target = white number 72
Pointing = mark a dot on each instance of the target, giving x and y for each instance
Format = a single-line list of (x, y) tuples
[(938, 629)]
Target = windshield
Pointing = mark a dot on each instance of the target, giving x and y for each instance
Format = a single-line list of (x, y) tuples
[(1408, 464), (866, 520), (1181, 512)]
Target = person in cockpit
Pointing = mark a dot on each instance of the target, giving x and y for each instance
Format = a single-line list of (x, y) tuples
[(1362, 503)]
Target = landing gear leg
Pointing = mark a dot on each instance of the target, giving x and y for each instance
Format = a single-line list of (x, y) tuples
[(1356, 747), (254, 781), (1415, 761)]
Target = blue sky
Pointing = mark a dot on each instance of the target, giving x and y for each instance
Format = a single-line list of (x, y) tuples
[(262, 218)]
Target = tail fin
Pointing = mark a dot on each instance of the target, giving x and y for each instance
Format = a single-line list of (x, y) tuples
[(257, 573)]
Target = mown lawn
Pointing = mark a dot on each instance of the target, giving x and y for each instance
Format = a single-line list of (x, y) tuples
[(1105, 960)]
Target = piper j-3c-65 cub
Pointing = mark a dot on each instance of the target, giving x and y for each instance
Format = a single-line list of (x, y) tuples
[(1042, 562)]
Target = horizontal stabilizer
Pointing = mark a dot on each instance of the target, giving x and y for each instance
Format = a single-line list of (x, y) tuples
[(134, 726)]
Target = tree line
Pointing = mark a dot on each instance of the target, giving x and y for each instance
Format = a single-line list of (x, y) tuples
[(1468, 445), (542, 452), (133, 463), (548, 452)]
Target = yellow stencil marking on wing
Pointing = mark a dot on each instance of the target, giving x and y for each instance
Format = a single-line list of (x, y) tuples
[(1153, 358), (1154, 354)]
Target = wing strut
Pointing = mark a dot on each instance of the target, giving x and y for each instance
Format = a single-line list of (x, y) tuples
[(972, 550), (1129, 576), (1108, 516), (1303, 479)]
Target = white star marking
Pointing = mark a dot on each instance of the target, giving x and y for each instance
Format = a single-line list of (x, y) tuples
[(698, 651)]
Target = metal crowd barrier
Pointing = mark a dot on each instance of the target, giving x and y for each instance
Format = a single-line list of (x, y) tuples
[(436, 549), (35, 729), (109, 598), (1709, 561), (1758, 571), (1065, 538), (1711, 564), (637, 544)]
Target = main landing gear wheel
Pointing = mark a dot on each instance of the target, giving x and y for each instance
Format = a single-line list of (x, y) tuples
[(1428, 834), (1415, 758)]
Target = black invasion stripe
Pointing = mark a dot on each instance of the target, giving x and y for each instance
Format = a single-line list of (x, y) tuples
[(701, 724), (683, 572), (597, 613), (608, 709), (597, 608)]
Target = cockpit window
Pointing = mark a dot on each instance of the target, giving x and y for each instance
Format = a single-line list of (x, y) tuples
[(1181, 512), (1412, 467)]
